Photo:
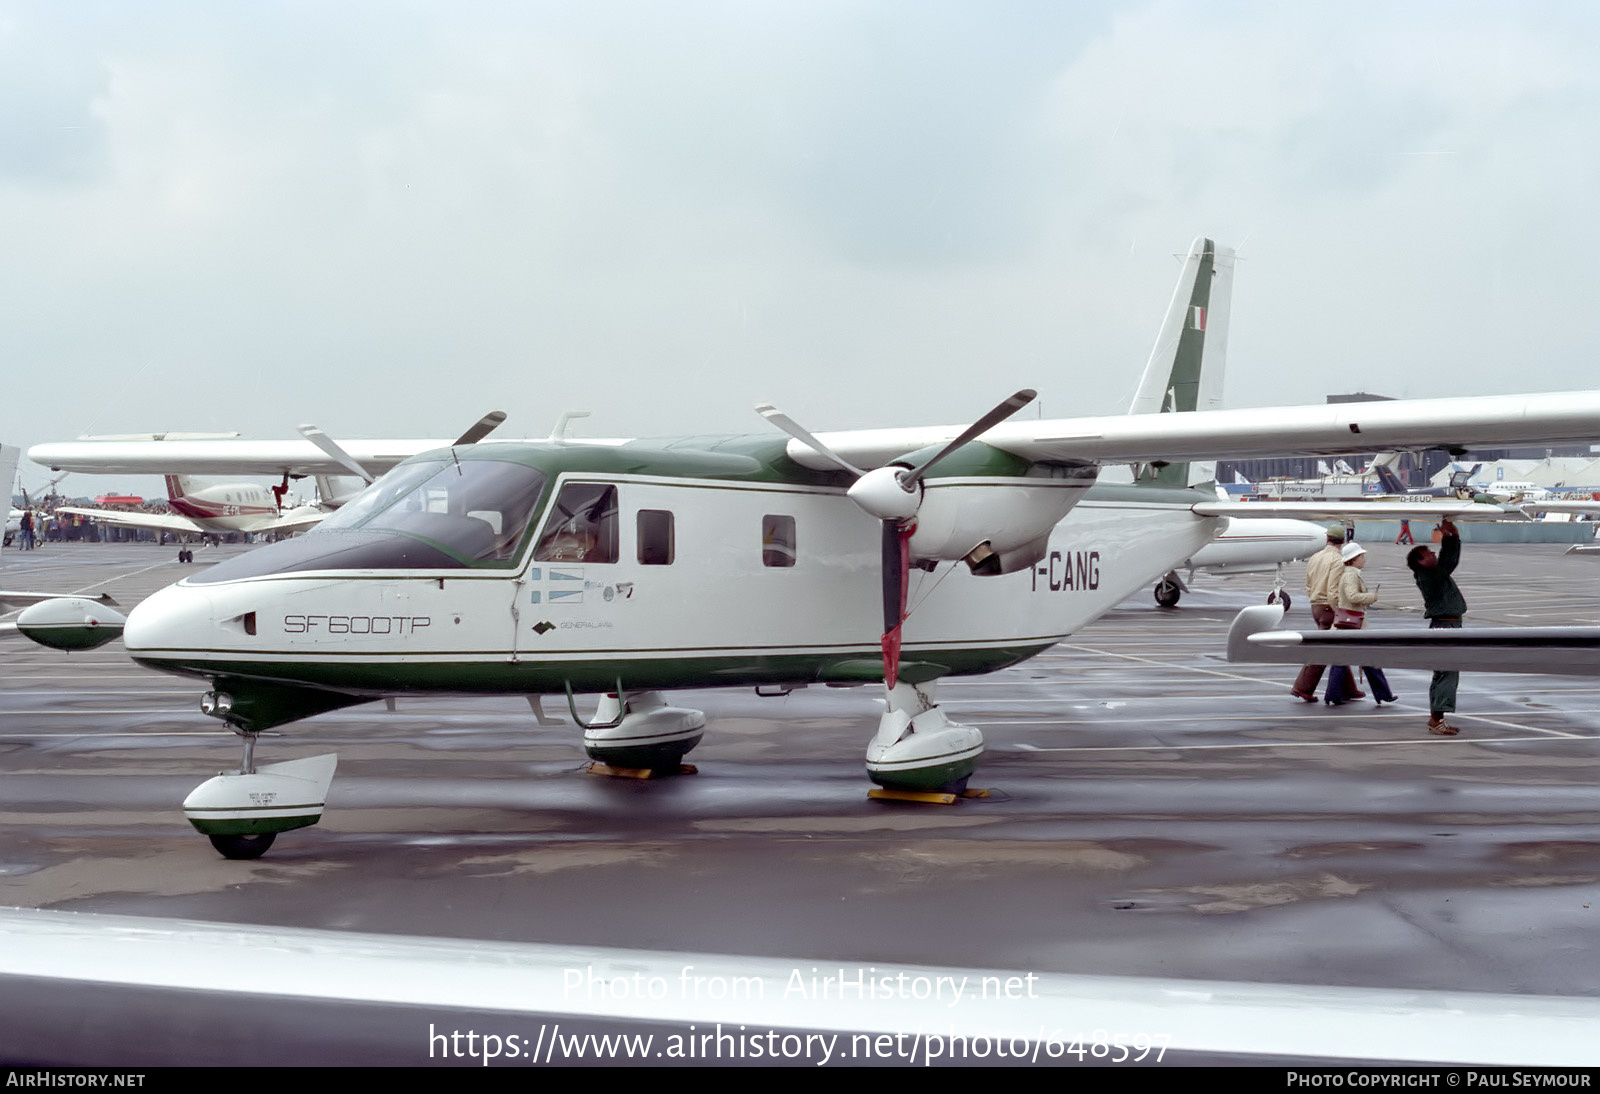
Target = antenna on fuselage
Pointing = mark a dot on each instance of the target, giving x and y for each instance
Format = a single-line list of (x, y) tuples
[(558, 435)]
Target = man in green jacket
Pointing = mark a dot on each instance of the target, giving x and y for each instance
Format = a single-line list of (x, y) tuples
[(1444, 606)]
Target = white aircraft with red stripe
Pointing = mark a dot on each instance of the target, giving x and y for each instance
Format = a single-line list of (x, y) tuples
[(210, 509)]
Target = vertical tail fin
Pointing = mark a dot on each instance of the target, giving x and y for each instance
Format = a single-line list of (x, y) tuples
[(1391, 482), (1188, 364), (8, 470)]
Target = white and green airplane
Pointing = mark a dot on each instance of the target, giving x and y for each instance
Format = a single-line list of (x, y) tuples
[(894, 556)]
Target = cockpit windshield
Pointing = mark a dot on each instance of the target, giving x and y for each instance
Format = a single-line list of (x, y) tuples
[(477, 510), (446, 514)]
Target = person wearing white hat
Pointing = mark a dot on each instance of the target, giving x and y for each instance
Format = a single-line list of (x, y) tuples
[(1349, 616)]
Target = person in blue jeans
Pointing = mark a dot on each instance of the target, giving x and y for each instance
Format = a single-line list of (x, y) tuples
[(1443, 605), (1350, 615)]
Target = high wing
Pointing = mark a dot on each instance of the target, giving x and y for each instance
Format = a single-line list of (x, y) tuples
[(1319, 430), (1571, 651), (222, 457), (214, 454), (1322, 430)]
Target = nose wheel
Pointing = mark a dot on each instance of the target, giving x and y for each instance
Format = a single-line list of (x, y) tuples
[(1280, 591), (243, 847), (241, 812)]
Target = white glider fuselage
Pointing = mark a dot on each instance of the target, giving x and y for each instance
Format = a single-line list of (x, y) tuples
[(1258, 545)]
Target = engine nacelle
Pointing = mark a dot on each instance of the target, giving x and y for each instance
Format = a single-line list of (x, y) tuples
[(1010, 518)]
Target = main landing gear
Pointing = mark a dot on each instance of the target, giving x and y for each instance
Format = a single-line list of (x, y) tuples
[(243, 811), (638, 735), (918, 751), (1168, 590)]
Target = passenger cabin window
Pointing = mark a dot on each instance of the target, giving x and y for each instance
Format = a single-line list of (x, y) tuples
[(655, 537), (777, 541), (582, 525)]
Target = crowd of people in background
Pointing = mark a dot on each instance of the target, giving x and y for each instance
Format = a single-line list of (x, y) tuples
[(41, 524)]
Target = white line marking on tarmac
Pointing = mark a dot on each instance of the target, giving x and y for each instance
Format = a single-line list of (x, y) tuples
[(1511, 725), (79, 736), (1257, 680), (1024, 747), (1120, 716), (1170, 665), (97, 711), (107, 581)]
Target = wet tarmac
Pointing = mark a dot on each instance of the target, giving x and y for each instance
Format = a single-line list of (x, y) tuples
[(1156, 811)]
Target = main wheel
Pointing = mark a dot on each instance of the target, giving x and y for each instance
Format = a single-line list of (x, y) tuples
[(1280, 597), (243, 847), (1167, 593)]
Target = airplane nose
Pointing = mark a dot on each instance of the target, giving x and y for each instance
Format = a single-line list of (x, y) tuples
[(174, 618)]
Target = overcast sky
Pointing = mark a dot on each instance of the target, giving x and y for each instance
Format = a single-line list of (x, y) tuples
[(389, 218)]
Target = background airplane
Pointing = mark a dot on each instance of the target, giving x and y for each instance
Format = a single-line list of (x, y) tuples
[(213, 509), (46, 618), (1459, 487)]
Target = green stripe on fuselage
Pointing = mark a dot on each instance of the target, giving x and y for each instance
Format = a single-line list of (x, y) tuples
[(270, 693)]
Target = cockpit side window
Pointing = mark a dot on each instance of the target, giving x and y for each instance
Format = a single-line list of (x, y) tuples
[(581, 526)]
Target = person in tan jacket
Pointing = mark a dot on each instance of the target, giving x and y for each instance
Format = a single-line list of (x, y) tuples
[(1322, 592)]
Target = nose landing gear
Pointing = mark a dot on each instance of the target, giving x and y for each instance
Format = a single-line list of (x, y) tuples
[(243, 811)]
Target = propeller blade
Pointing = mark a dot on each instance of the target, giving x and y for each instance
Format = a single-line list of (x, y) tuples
[(976, 429), (482, 428), (896, 572), (793, 428), (331, 447)]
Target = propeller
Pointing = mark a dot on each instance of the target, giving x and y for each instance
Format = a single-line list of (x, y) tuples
[(794, 429), (477, 432), (893, 494), (482, 427)]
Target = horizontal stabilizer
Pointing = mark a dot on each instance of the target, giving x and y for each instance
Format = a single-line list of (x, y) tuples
[(1567, 651), (1414, 509)]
